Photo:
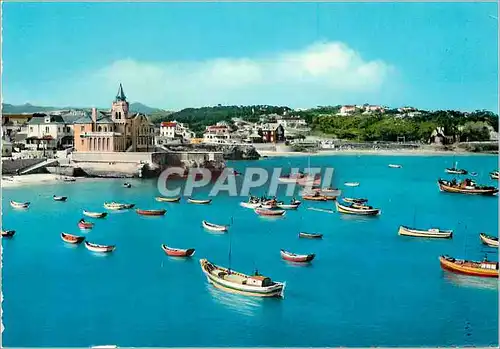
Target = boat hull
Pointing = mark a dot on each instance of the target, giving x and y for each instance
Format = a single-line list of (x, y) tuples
[(199, 202), (214, 227), (176, 252), (85, 225), (357, 211), (95, 214), (449, 189), (8, 233), (276, 290), (440, 234), (151, 212), (463, 269), (250, 205), (99, 248), (162, 199), (72, 239), (485, 239), (288, 206), (19, 205), (314, 198), (269, 213), (306, 258), (60, 198), (310, 236)]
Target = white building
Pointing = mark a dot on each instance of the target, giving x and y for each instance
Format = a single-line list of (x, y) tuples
[(171, 131), (220, 133), (47, 131)]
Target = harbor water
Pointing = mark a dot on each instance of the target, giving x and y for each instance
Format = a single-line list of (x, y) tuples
[(367, 286)]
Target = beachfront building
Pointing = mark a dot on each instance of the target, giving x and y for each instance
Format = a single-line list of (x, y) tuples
[(117, 130), (49, 131), (219, 133), (170, 130), (272, 133), (13, 123)]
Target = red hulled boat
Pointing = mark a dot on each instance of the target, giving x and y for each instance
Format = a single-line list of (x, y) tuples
[(177, 252), (297, 258), (151, 212)]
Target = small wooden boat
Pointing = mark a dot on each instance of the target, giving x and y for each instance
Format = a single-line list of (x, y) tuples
[(163, 199), (314, 197), (296, 258), (127, 185), (485, 268), (329, 190), (22, 205), (269, 204), (456, 170), (494, 175), (199, 202), (430, 233), (355, 200), (60, 198), (467, 186), (116, 206), (99, 248), (213, 227), (151, 212), (95, 214), (72, 239), (395, 166), (251, 205), (247, 285), (310, 235), (357, 209), (291, 206), (270, 213), (489, 240), (176, 252), (8, 233), (68, 179), (82, 224), (351, 184)]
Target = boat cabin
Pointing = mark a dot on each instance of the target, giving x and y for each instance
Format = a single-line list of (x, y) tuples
[(258, 280), (489, 265)]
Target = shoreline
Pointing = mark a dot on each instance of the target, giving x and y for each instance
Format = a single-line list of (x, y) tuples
[(38, 179), (378, 152)]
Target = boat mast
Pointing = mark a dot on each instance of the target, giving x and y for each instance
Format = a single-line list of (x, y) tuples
[(229, 255)]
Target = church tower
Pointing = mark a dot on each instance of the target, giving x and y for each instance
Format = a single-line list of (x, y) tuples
[(119, 109)]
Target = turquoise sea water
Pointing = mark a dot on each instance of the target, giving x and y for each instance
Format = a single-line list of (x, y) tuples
[(367, 286)]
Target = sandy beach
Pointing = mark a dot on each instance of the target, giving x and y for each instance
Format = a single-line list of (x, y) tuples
[(37, 179)]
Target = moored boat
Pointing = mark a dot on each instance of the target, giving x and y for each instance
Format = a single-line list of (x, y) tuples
[(72, 239), (214, 227), (489, 240), (177, 252), (310, 235), (351, 184), (15, 204), (251, 205), (116, 206), (355, 200), (199, 202), (297, 258), (95, 214), (127, 185), (151, 212), (8, 233), (357, 209), (455, 170), (314, 197), (430, 233), (82, 224), (395, 166), (494, 175), (59, 198), (99, 248), (164, 199), (270, 213), (293, 205), (485, 268), (247, 285), (467, 186)]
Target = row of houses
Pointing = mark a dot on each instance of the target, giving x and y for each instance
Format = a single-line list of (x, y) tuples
[(112, 130)]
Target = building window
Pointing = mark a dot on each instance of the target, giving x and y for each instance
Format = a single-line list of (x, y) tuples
[(31, 129), (46, 129), (105, 129), (83, 142), (107, 144), (99, 129), (82, 128)]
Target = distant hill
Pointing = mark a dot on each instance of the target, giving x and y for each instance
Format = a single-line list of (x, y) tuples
[(141, 108), (29, 108), (25, 108)]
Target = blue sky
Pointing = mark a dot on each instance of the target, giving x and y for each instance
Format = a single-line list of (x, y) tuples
[(175, 55)]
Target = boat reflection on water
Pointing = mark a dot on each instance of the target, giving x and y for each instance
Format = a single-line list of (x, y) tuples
[(242, 304), (471, 281)]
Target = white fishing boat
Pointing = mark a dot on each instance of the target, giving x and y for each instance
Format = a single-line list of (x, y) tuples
[(429, 233), (235, 282), (19, 205), (395, 166), (214, 227), (252, 205), (351, 184)]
